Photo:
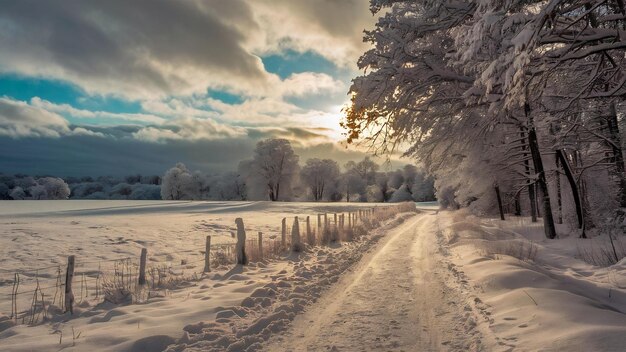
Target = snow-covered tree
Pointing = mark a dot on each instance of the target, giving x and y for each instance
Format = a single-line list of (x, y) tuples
[(50, 188), (18, 193), (38, 192), (396, 179), (520, 94), (178, 183), (374, 194), (402, 194), (353, 186), (228, 186), (273, 169), (366, 169), (142, 191), (319, 175)]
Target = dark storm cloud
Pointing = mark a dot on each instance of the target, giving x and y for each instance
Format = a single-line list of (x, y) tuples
[(151, 47), (113, 151), (92, 156)]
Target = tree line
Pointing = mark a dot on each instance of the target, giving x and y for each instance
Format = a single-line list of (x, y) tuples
[(274, 173), (136, 187), (514, 106)]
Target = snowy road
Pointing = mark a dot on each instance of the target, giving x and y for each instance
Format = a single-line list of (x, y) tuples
[(399, 297)]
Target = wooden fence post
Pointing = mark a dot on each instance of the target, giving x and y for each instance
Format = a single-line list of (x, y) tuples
[(69, 276), (295, 236), (142, 266), (325, 221), (308, 230), (260, 245), (319, 223), (207, 255), (334, 230), (241, 243), (349, 220), (283, 239)]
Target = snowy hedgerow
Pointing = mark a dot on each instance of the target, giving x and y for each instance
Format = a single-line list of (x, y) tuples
[(18, 193), (50, 188), (145, 192), (38, 192), (402, 194)]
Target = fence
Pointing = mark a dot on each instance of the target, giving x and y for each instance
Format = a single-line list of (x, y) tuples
[(40, 293)]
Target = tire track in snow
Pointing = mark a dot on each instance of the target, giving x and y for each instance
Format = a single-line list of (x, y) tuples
[(396, 298)]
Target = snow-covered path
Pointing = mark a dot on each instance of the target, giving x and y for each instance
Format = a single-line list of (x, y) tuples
[(398, 297)]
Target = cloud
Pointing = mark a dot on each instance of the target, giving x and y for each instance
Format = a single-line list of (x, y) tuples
[(332, 28), (310, 83), (152, 48), (18, 119), (88, 114), (86, 155), (189, 129)]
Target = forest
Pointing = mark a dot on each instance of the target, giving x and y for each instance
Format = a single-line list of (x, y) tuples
[(513, 106)]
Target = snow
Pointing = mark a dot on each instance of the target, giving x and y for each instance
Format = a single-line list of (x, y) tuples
[(555, 302), (396, 298), (437, 280), (42, 233)]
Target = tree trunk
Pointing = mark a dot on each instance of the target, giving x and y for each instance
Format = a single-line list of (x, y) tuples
[(531, 185), (559, 198), (618, 157), (499, 197), (548, 221), (537, 197), (518, 205), (574, 186)]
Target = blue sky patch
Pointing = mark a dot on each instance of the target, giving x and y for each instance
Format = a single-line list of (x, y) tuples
[(290, 62), (225, 97), (59, 92)]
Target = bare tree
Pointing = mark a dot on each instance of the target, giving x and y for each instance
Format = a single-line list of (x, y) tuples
[(275, 165), (319, 175)]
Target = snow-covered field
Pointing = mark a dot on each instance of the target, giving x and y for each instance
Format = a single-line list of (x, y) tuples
[(41, 234)]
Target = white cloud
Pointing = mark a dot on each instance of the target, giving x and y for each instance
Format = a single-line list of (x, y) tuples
[(88, 114), (18, 119), (331, 28), (80, 131), (310, 83), (156, 49), (150, 49), (189, 129)]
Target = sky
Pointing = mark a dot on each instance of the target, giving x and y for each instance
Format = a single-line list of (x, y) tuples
[(91, 87)]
